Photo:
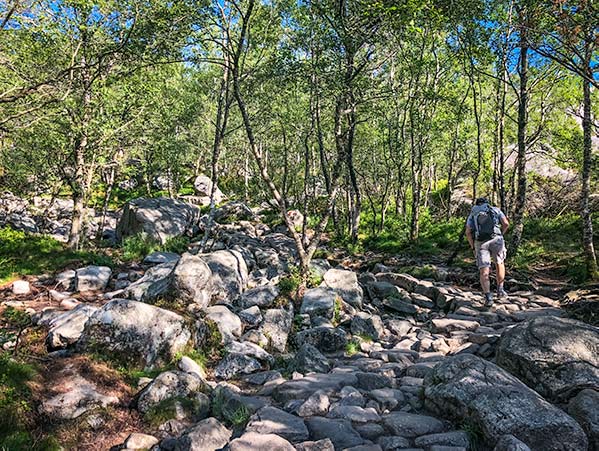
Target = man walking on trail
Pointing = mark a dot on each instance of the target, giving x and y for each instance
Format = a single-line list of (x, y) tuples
[(484, 229)]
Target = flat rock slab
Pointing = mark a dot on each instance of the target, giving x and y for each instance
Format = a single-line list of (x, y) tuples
[(468, 388), (78, 396), (557, 357), (412, 425), (66, 328), (340, 432), (270, 420), (306, 386), (253, 441)]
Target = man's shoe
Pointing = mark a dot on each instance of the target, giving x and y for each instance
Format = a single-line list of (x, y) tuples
[(488, 299), (501, 293)]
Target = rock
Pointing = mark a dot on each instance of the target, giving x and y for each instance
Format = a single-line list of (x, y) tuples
[(229, 273), (405, 281), (309, 359), (340, 432), (510, 443), (367, 325), (69, 304), (207, 435), (557, 357), (355, 414), (317, 404), (262, 297), (20, 287), (233, 212), (159, 218), (373, 381), (320, 445), (159, 257), (252, 441), (400, 306), (370, 431), (388, 398), (454, 438), (66, 329), (135, 332), (584, 408), (469, 389), (323, 338), (228, 323), (168, 385), (235, 365), (251, 350), (78, 395), (319, 302), (203, 186), (270, 420), (193, 280), (92, 278), (447, 325), (251, 316), (306, 386), (399, 327), (393, 443), (412, 425), (66, 280), (155, 282), (189, 365), (138, 442), (276, 327), (345, 283)]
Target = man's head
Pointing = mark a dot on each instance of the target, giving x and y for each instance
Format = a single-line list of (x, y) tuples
[(481, 201)]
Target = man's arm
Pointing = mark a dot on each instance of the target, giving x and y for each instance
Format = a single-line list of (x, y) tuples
[(469, 236), (505, 224)]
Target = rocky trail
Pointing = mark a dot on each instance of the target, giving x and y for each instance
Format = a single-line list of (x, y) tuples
[(228, 356)]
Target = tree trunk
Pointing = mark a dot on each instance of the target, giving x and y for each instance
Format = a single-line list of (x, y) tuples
[(520, 202), (585, 211)]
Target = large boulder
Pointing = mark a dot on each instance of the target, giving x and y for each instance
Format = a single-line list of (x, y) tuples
[(345, 283), (192, 280), (466, 388), (584, 407), (229, 273), (135, 333), (203, 186), (160, 218), (557, 357)]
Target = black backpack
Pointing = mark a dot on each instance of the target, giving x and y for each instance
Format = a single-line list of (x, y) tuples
[(485, 222)]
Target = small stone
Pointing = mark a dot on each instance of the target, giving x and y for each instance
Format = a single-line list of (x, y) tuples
[(270, 420), (92, 278), (317, 404), (137, 441), (235, 365), (207, 435), (412, 425), (253, 441), (21, 287), (188, 365), (69, 304), (320, 445)]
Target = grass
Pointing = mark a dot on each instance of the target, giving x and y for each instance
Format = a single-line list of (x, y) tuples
[(23, 254), (136, 247), (552, 245), (352, 347)]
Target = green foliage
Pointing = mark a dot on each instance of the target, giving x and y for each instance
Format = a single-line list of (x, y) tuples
[(167, 410), (16, 408), (137, 247), (236, 415), (289, 284), (352, 347), (24, 254), (337, 309)]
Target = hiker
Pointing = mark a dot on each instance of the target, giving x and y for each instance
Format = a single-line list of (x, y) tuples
[(484, 229)]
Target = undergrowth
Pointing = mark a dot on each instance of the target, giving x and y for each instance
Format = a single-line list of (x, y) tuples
[(136, 247), (23, 254)]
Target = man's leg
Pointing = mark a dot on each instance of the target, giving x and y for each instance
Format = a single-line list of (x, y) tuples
[(484, 280)]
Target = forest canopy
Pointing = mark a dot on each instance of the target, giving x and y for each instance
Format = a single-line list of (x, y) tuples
[(371, 117)]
